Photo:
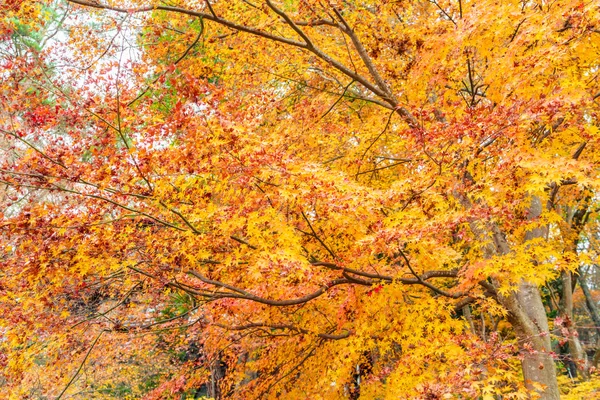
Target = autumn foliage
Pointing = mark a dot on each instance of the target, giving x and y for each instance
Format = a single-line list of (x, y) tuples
[(299, 199)]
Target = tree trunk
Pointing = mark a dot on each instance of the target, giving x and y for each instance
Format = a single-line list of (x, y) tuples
[(594, 313), (589, 301), (576, 353), (526, 310), (538, 364), (529, 319), (217, 373)]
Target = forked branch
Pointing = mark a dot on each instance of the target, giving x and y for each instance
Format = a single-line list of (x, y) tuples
[(380, 89)]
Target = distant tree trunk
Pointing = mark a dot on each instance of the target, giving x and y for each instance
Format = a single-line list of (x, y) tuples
[(217, 373), (577, 355), (467, 314), (362, 369), (355, 384), (590, 303), (575, 218), (594, 314)]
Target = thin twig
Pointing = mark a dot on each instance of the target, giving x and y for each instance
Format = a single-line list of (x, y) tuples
[(81, 365)]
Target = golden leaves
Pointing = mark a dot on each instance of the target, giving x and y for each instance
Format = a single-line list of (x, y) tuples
[(374, 165)]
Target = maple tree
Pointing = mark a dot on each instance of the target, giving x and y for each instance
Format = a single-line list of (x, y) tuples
[(297, 199)]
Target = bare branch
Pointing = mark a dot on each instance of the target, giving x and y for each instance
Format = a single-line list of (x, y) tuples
[(362, 52), (291, 23), (421, 281), (237, 293), (327, 336), (81, 365), (314, 234), (380, 89)]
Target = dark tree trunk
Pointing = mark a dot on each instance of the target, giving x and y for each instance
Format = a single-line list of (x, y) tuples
[(217, 373), (590, 303)]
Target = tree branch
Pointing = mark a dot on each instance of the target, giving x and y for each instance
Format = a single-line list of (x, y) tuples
[(81, 365), (327, 336), (380, 89), (237, 293)]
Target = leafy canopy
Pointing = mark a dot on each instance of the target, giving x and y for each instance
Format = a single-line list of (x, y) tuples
[(298, 190)]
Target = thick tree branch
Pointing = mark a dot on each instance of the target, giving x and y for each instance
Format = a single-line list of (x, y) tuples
[(291, 23), (237, 293), (362, 52), (407, 281), (289, 327)]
